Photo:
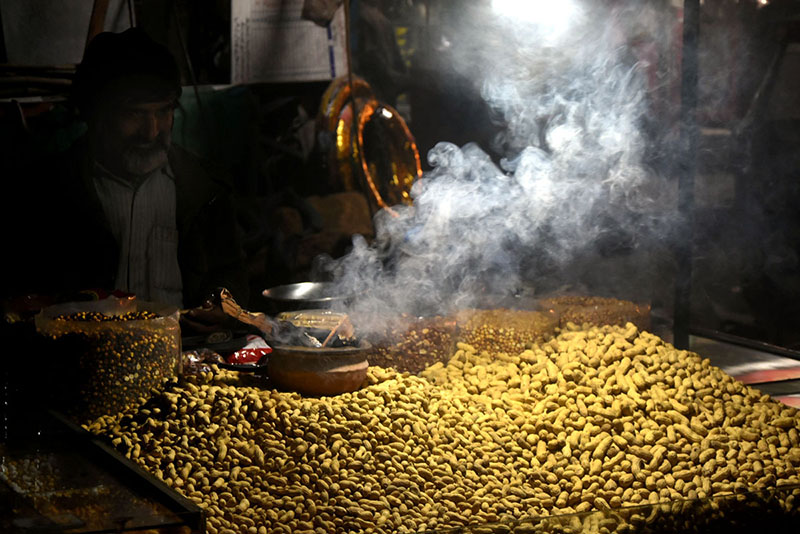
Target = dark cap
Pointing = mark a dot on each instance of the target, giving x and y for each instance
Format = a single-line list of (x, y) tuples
[(124, 66)]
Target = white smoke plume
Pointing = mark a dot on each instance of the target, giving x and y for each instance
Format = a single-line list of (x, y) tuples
[(569, 190)]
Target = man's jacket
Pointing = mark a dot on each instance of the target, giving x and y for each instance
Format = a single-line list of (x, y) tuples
[(70, 246)]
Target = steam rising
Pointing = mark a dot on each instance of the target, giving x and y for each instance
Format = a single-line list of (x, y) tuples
[(566, 204)]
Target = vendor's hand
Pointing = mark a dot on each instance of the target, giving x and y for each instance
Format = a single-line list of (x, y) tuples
[(204, 320)]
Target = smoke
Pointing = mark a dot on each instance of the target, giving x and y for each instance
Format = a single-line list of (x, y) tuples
[(567, 204)]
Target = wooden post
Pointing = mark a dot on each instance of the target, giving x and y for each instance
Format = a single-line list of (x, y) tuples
[(97, 21), (687, 170)]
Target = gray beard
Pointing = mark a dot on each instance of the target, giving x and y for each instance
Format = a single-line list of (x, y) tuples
[(140, 161)]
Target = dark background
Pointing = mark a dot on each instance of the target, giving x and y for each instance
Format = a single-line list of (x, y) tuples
[(746, 241)]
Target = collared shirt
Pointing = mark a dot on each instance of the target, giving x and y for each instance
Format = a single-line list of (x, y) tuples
[(142, 218)]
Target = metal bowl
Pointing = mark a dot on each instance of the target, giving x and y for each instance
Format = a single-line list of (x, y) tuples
[(303, 295), (319, 371)]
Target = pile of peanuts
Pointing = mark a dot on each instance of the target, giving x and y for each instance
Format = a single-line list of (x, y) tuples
[(594, 419), (411, 345)]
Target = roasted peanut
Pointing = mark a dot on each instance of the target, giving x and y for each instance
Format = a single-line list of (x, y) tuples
[(563, 426)]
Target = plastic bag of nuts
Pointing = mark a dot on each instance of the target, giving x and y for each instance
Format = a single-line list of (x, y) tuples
[(505, 330), (410, 344), (598, 311), (102, 357)]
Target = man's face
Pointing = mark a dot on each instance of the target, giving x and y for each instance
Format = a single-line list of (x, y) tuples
[(134, 137)]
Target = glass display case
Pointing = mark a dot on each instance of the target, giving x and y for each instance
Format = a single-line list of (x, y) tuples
[(65, 480)]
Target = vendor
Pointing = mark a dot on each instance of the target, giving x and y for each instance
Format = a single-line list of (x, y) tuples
[(125, 208)]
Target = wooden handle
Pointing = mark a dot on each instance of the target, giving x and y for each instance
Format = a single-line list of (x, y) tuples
[(231, 308), (344, 326)]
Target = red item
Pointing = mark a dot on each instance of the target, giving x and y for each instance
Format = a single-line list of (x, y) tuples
[(762, 376), (248, 356), (251, 353)]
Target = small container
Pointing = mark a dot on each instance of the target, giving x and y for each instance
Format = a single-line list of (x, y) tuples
[(317, 319), (102, 356), (319, 371), (303, 296)]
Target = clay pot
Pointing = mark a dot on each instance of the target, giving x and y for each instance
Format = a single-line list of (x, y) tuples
[(319, 371)]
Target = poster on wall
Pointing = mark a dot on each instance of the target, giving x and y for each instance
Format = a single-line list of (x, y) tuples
[(271, 42)]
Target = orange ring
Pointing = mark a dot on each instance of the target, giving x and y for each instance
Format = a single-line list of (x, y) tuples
[(336, 115), (402, 185)]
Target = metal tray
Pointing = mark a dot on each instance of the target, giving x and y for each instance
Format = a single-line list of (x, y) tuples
[(303, 295)]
